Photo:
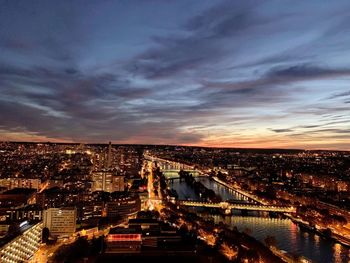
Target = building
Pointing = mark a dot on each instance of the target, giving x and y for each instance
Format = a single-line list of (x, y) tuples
[(88, 210), (144, 223), (107, 181), (155, 233), (4, 228), (342, 186), (143, 199), (60, 221), (22, 246), (28, 212), (123, 206), (119, 184), (17, 197), (56, 197), (109, 156), (51, 183), (11, 183), (123, 240)]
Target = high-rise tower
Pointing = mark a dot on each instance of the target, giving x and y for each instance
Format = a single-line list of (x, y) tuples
[(109, 156)]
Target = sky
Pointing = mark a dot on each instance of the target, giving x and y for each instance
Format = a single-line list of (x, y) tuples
[(256, 74)]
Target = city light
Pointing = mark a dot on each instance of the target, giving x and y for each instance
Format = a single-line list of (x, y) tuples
[(185, 131)]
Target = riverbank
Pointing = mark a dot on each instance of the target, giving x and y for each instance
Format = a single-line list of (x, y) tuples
[(288, 235), (237, 244), (305, 225), (334, 237), (244, 193), (283, 255)]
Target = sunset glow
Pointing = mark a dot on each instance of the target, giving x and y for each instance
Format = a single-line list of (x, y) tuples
[(251, 74)]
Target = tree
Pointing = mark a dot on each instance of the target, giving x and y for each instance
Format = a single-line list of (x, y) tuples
[(327, 232), (301, 209), (45, 235), (327, 220), (247, 231), (270, 241), (72, 252), (324, 212), (97, 244), (252, 256), (339, 220)]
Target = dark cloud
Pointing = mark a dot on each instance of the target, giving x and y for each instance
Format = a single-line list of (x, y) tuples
[(226, 20), (306, 71), (282, 130), (269, 88), (310, 126), (331, 131), (16, 45), (217, 68), (63, 105), (201, 46), (339, 95), (71, 71)]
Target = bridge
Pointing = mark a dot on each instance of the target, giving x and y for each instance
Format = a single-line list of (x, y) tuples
[(240, 206), (171, 179), (171, 171), (174, 174), (170, 168), (165, 164)]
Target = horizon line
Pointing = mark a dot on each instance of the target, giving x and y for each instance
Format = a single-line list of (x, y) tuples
[(175, 145)]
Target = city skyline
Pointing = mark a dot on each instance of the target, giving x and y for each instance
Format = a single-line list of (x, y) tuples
[(205, 73)]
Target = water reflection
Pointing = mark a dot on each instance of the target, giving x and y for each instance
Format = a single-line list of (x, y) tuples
[(288, 235), (183, 190), (225, 193)]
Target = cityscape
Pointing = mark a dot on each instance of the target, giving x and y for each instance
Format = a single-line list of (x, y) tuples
[(209, 131), (109, 202)]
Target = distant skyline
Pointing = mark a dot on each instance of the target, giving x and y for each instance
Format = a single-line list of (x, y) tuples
[(255, 74)]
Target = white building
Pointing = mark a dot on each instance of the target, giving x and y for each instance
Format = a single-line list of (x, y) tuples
[(60, 221)]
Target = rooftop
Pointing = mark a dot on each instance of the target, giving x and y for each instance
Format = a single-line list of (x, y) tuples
[(122, 230), (15, 191)]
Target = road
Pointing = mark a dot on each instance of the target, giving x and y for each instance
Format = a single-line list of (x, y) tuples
[(46, 251), (154, 202)]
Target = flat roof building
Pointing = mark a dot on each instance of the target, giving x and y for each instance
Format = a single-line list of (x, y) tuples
[(124, 240), (123, 206), (60, 221)]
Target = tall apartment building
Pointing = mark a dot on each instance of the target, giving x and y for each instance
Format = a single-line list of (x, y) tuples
[(107, 181), (60, 221), (109, 156)]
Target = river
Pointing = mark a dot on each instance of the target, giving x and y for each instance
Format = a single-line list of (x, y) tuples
[(288, 235)]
